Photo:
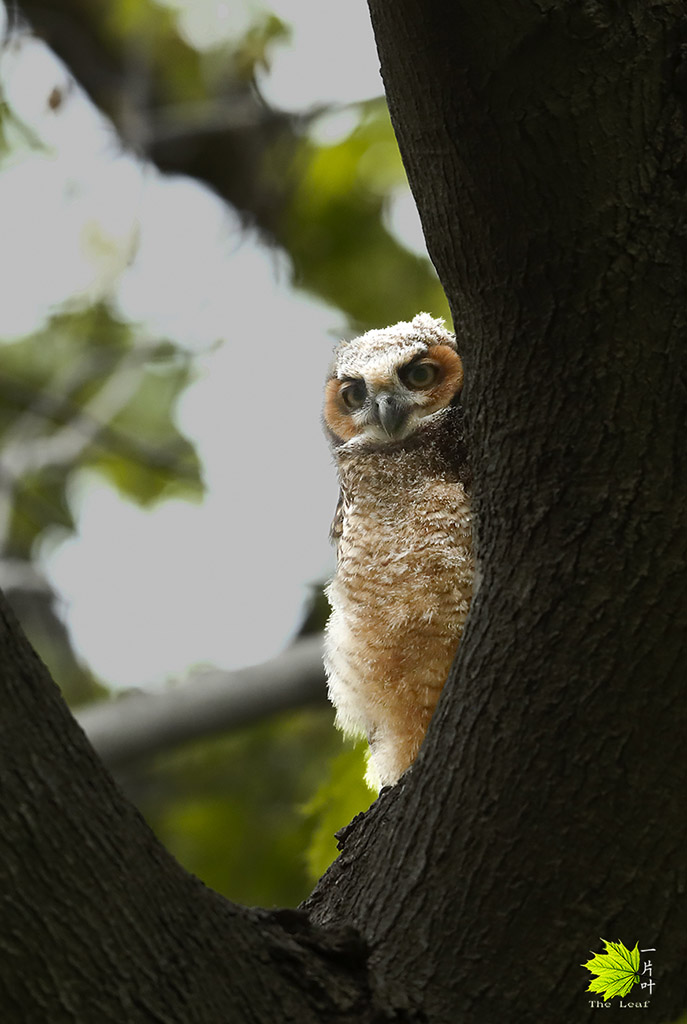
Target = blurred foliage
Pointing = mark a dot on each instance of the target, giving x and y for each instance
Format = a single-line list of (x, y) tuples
[(83, 393), (253, 814), (239, 812), (335, 233), (337, 800), (175, 68)]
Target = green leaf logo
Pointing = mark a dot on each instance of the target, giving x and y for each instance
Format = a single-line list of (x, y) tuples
[(616, 970)]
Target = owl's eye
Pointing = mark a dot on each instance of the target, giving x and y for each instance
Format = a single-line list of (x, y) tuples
[(420, 375), (354, 394)]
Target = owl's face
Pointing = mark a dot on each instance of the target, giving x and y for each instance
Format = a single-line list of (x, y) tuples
[(385, 383)]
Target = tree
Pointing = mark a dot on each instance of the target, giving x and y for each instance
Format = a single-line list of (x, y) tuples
[(545, 148), (91, 395)]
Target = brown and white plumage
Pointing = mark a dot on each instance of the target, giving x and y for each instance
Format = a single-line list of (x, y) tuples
[(404, 573)]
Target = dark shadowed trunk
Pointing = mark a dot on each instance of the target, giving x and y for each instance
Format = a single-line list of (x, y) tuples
[(546, 152), (99, 924), (545, 146)]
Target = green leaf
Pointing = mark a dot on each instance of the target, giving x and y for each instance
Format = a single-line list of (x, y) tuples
[(337, 800), (616, 970)]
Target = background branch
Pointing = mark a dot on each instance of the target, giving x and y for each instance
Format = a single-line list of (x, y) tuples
[(209, 702), (231, 160)]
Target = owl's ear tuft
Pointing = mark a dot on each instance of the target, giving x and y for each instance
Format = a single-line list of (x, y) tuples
[(432, 330)]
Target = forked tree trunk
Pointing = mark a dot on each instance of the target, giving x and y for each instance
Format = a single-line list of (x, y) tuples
[(545, 145)]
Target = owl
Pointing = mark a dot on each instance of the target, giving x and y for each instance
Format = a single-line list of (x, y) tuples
[(402, 529)]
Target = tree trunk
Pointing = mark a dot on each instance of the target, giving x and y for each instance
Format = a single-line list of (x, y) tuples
[(99, 923), (545, 147)]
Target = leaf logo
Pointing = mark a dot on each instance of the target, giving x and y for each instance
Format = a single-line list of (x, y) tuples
[(616, 970)]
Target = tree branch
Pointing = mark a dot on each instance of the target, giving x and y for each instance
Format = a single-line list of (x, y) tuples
[(210, 702), (231, 161), (147, 941)]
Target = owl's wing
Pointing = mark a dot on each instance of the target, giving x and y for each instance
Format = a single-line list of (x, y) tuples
[(337, 522)]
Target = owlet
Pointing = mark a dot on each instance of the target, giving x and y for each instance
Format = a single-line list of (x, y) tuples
[(403, 581)]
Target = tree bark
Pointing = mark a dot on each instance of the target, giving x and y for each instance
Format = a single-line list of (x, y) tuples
[(545, 147), (100, 924)]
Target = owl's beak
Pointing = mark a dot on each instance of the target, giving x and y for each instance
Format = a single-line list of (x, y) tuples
[(391, 412)]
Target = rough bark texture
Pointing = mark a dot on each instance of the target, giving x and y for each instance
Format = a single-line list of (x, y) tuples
[(545, 145), (99, 924)]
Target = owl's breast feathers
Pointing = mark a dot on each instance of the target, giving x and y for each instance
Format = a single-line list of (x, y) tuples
[(402, 587)]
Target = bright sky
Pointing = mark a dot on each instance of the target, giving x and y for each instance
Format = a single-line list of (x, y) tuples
[(150, 593)]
